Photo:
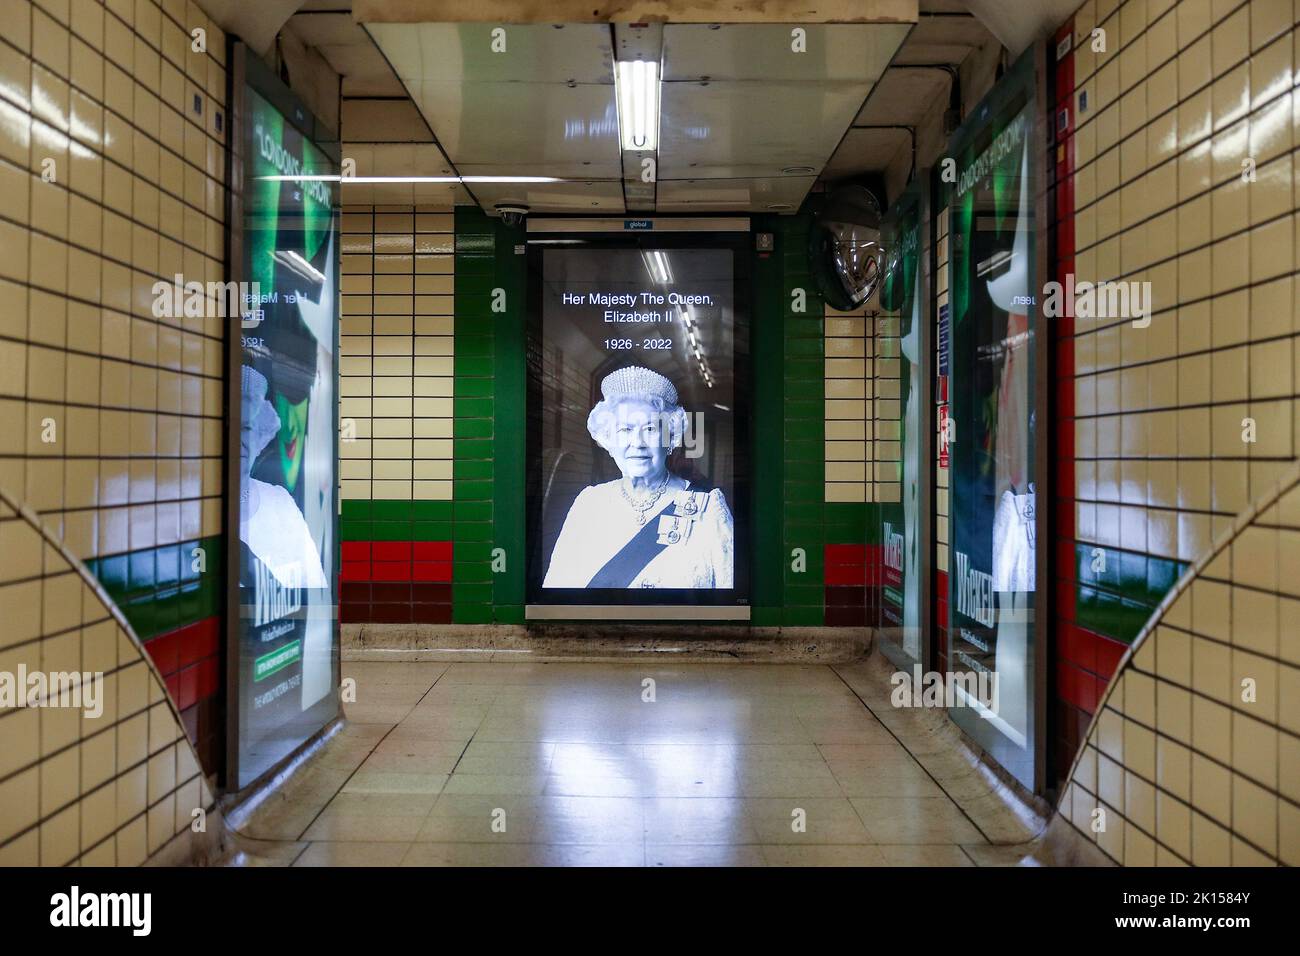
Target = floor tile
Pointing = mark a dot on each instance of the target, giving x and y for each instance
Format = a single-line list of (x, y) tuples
[(942, 854), (562, 764), (791, 855), (916, 820), (701, 854), (338, 853)]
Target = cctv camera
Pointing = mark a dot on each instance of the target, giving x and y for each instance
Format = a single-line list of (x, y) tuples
[(512, 214)]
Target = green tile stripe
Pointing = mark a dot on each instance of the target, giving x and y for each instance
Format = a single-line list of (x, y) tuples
[(850, 522), (767, 344), (510, 395), (803, 480), (1120, 596), (159, 590), (474, 418), (365, 520), (488, 405)]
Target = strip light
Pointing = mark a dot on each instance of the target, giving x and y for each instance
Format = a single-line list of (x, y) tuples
[(637, 91), (296, 263), (413, 179)]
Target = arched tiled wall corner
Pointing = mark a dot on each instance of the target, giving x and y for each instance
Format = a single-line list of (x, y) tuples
[(111, 416), (113, 788), (1193, 756), (1149, 457)]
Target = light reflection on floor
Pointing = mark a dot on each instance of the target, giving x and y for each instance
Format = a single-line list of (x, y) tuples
[(574, 764)]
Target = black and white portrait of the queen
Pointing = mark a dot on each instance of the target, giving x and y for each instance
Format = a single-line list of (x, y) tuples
[(649, 528)]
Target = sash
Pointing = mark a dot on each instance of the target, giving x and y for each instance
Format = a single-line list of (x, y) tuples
[(668, 526), (620, 570)]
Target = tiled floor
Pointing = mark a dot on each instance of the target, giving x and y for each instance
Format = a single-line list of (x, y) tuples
[(570, 764)]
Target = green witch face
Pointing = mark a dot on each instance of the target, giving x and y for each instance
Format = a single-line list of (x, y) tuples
[(293, 427)]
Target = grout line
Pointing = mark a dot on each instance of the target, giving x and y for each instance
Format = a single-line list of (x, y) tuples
[(835, 670), (370, 753)]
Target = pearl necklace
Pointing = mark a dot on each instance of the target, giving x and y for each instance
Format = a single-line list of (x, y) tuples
[(644, 505)]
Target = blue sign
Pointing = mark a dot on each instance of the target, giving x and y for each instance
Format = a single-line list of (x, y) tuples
[(943, 339), (638, 225)]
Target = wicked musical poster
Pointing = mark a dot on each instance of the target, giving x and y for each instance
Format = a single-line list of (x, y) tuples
[(993, 324), (900, 543), (287, 651)]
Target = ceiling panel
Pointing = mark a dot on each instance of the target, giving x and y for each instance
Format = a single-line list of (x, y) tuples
[(463, 52), (546, 103), (326, 29), (955, 31), (732, 195), (530, 123), (383, 121), (403, 194), (865, 151), (945, 34), (575, 197), (398, 159), (401, 159), (373, 85), (723, 124), (850, 53), (1017, 24), (738, 106), (559, 170), (902, 97), (349, 51), (355, 59)]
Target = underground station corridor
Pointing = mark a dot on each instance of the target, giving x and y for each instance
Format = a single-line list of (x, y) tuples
[(735, 765), (651, 434)]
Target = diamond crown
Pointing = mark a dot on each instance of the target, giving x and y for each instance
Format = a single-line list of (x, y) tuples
[(637, 382)]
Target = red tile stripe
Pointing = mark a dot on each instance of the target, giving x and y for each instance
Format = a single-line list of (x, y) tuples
[(846, 564), (189, 660), (1086, 662), (368, 561)]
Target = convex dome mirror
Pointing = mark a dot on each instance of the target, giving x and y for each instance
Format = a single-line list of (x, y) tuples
[(845, 251)]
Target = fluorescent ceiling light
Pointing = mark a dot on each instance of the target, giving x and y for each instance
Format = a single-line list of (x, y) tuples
[(415, 179), (296, 263), (656, 264), (661, 262), (636, 85)]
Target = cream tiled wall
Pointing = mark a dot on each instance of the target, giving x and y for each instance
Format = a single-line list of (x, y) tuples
[(112, 139), (1194, 757), (397, 353), (106, 789), (1193, 753), (848, 405), (1186, 93), (862, 408), (111, 178), (887, 412)]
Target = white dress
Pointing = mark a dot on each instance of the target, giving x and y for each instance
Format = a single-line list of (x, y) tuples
[(279, 537), (600, 522)]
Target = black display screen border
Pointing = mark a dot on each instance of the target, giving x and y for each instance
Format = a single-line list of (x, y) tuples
[(248, 73), (637, 602)]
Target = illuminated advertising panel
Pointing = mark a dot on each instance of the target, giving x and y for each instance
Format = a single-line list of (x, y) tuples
[(284, 665), (636, 476), (992, 428), (900, 537)]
